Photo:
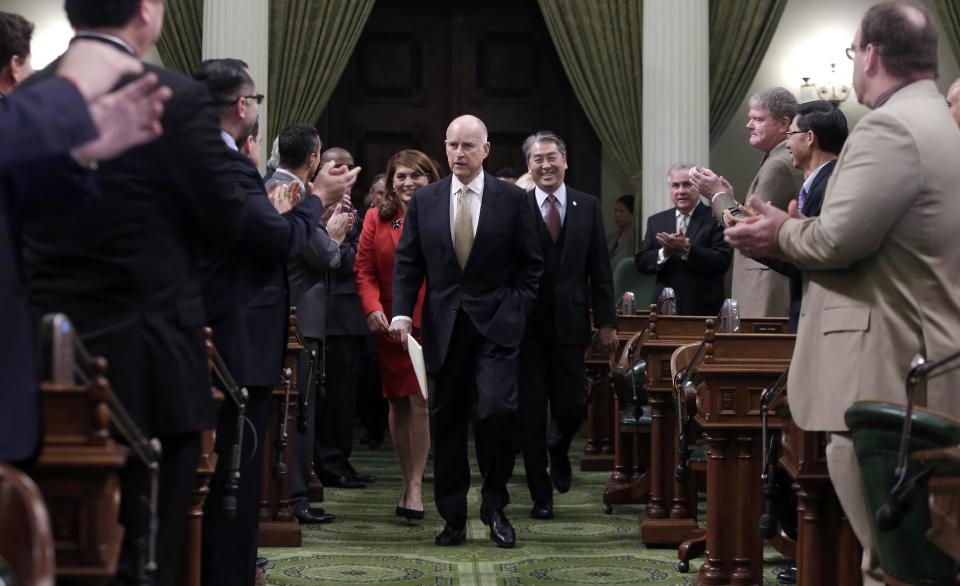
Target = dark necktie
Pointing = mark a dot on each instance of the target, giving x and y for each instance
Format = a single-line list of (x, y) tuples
[(802, 199), (553, 217)]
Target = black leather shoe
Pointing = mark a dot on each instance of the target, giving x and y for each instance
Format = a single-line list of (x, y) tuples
[(451, 536), (411, 514), (366, 478), (344, 482), (262, 563), (501, 531), (314, 517), (560, 472), (788, 576), (542, 511)]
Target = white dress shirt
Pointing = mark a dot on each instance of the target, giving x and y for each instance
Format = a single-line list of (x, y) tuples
[(560, 194), (228, 140)]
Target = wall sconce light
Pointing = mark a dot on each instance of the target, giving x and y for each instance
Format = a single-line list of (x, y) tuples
[(833, 91)]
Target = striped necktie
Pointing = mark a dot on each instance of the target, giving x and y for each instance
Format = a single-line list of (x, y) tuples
[(802, 199)]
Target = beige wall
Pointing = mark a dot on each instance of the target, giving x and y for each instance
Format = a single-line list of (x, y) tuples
[(52, 32)]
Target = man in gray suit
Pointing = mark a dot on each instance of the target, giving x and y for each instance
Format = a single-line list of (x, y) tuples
[(759, 290), (880, 262), (298, 159)]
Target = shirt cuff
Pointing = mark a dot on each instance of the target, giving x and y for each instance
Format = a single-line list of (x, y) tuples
[(397, 318), (661, 258)]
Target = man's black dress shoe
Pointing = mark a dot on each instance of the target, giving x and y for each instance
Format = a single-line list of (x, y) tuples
[(542, 511), (788, 576), (560, 469), (501, 531), (314, 517), (366, 478), (451, 535), (344, 482), (262, 563)]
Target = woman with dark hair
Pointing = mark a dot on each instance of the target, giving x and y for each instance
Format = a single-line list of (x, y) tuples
[(622, 242), (407, 171)]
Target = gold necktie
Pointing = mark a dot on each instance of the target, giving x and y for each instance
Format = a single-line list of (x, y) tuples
[(463, 229), (684, 222)]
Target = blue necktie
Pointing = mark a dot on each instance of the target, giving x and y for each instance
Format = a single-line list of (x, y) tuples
[(802, 199)]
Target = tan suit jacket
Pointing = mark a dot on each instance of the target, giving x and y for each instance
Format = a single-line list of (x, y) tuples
[(759, 290), (881, 264)]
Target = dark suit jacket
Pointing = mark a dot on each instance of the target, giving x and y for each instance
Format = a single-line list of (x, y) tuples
[(811, 207), (697, 281), (40, 122), (308, 277), (583, 278), (498, 285), (344, 317), (124, 268), (245, 290)]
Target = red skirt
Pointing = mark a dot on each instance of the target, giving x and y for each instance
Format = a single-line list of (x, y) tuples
[(396, 370)]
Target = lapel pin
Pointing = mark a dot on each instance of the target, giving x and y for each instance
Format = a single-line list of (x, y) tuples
[(574, 203)]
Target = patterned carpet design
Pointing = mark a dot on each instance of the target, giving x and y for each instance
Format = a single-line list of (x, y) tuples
[(367, 544)]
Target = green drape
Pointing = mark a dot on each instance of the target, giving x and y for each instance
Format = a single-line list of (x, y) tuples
[(310, 44), (740, 32), (179, 45), (949, 11), (600, 46)]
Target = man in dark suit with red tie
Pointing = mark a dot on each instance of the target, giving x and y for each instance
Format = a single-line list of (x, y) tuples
[(684, 248), (576, 277), (472, 237)]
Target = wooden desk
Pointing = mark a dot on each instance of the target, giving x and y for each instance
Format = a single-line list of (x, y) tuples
[(736, 369), (278, 526), (827, 550), (671, 514), (944, 499), (598, 453), (78, 474)]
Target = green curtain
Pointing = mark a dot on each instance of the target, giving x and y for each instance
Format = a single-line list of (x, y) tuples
[(310, 44), (740, 32), (949, 11), (600, 46), (179, 45)]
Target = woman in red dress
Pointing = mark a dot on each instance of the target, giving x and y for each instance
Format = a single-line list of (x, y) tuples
[(407, 171)]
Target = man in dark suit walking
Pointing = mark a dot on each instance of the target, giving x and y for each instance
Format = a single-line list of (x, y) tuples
[(815, 139), (472, 237), (124, 269), (576, 276), (684, 248)]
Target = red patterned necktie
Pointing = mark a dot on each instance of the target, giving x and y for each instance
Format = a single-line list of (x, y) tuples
[(553, 217)]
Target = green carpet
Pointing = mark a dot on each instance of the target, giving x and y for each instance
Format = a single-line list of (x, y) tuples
[(367, 544)]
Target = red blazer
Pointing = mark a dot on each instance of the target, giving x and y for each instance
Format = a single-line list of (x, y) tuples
[(373, 268)]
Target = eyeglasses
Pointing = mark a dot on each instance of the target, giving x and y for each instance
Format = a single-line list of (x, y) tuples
[(792, 132), (852, 50), (257, 97)]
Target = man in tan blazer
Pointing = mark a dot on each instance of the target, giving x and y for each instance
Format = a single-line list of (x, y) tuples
[(759, 290), (881, 261)]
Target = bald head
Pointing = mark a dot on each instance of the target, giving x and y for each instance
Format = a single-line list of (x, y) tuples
[(339, 156), (953, 101), (467, 147)]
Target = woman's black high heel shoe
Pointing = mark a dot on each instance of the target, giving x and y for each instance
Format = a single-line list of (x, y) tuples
[(411, 514)]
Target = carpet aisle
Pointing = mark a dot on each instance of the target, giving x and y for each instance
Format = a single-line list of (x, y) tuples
[(368, 545)]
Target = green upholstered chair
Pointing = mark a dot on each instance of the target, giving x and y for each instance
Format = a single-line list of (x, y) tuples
[(904, 553), (626, 277)]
